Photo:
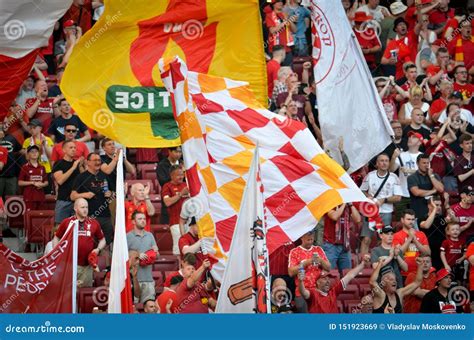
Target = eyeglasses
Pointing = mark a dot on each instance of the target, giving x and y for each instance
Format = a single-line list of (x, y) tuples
[(461, 72), (68, 130)]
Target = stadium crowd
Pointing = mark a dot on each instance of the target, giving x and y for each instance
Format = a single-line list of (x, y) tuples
[(421, 55)]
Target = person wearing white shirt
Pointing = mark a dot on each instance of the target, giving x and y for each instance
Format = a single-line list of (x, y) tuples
[(383, 187), (374, 10)]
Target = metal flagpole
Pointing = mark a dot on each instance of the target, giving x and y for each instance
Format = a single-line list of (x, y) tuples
[(74, 265)]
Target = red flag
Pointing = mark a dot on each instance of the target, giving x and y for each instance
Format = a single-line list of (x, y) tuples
[(42, 286)]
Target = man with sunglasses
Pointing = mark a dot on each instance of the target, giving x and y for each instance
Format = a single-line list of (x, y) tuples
[(57, 127), (70, 132)]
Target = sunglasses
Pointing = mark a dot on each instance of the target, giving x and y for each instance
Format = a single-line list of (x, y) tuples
[(68, 130)]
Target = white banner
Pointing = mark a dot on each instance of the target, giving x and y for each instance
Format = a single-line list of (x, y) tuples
[(348, 102)]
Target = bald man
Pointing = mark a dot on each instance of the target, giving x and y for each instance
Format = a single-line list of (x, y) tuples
[(140, 202), (281, 295), (42, 107), (91, 240)]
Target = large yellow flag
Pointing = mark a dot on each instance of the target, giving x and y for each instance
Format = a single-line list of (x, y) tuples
[(112, 79)]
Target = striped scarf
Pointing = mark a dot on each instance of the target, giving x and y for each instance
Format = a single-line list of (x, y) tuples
[(459, 50)]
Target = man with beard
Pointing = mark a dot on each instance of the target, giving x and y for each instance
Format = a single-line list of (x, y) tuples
[(413, 302)]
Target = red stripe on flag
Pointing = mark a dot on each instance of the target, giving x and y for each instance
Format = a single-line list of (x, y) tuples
[(14, 72), (126, 297)]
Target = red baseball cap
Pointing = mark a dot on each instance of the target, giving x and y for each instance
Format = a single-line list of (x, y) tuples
[(362, 17), (442, 273), (416, 134), (323, 274), (68, 23)]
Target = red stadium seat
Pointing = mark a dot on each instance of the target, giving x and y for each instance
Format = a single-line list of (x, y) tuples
[(365, 289), (90, 297), (351, 306), (335, 273), (352, 288), (50, 202), (147, 171), (340, 307), (38, 223), (99, 278), (164, 263), (15, 208), (163, 238), (158, 277)]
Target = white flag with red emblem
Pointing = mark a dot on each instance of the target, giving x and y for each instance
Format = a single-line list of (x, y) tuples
[(348, 102)]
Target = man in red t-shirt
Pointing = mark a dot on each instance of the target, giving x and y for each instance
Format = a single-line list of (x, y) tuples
[(140, 202), (188, 260), (89, 234), (41, 107), (412, 243), (70, 132), (412, 302), (273, 66), (440, 15), (173, 194), (168, 300), (463, 213), (323, 298), (33, 179), (461, 48), (280, 26), (190, 243), (367, 37), (470, 258), (461, 84), (193, 296), (439, 71), (310, 258)]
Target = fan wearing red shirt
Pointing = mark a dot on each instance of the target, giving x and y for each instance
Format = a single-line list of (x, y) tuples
[(470, 258), (463, 213), (193, 296), (168, 300), (280, 27), (412, 302), (439, 71), (412, 243), (190, 243), (461, 84), (323, 297), (33, 178), (70, 132), (3, 157), (440, 104), (368, 39), (452, 251), (188, 260), (173, 194), (42, 107), (89, 234), (81, 13), (273, 66), (440, 16), (140, 202), (312, 259), (398, 51)]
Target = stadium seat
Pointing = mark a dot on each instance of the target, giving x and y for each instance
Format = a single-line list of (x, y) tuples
[(158, 277), (340, 307), (146, 155), (164, 263), (351, 306), (335, 273), (99, 278), (90, 297), (147, 171), (163, 238), (50, 202), (38, 223), (353, 289), (15, 207), (364, 289)]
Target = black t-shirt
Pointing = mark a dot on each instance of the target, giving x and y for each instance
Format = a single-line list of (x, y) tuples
[(14, 162), (112, 178), (64, 190), (57, 127), (433, 300), (163, 171), (423, 131), (88, 182), (436, 235), (420, 204)]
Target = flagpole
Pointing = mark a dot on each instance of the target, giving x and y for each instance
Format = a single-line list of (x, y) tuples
[(74, 266)]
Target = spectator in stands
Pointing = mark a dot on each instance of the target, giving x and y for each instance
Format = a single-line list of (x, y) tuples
[(110, 160), (440, 70), (41, 106), (163, 174), (456, 110), (293, 8), (434, 225), (406, 163), (392, 257), (33, 179), (193, 296), (188, 260), (412, 303), (54, 90), (397, 139), (462, 85), (388, 298), (438, 300), (144, 242), (439, 105), (412, 243), (423, 184), (16, 122), (273, 66), (374, 9), (388, 92), (398, 50), (426, 35), (150, 307), (463, 168), (383, 187), (323, 297), (279, 85), (44, 143), (337, 226), (190, 243), (440, 15), (280, 27), (452, 250), (294, 95), (310, 258), (140, 202), (65, 172), (461, 48), (449, 31), (463, 213), (92, 185), (279, 295), (9, 171), (26, 91), (416, 129), (134, 260), (70, 131), (89, 234), (173, 194), (415, 103), (367, 38), (56, 129), (470, 259), (168, 300)]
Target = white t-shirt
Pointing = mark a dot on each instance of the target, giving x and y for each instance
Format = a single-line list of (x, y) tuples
[(409, 108), (392, 187), (409, 162), (465, 115), (376, 13)]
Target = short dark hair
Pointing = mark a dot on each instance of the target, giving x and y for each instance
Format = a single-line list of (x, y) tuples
[(422, 156), (464, 138), (451, 105), (408, 66), (105, 140), (408, 212), (189, 258), (70, 124), (277, 48), (62, 100), (441, 50), (147, 300), (382, 154), (436, 198), (455, 70), (89, 156), (135, 213)]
